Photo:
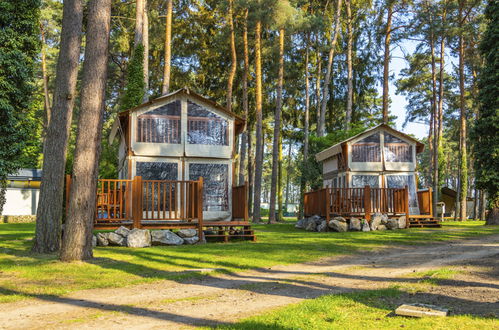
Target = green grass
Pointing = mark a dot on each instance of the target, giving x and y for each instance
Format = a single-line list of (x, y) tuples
[(24, 274), (361, 310)]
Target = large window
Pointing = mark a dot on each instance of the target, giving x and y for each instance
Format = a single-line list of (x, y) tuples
[(216, 185), (360, 181), (397, 150), (157, 170), (161, 125), (400, 181), (367, 149), (205, 127)]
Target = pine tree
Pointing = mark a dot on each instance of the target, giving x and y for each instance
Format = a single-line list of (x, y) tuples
[(134, 90)]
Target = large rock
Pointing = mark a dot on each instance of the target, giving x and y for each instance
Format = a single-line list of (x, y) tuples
[(381, 227), (102, 239), (187, 233), (354, 225), (191, 240), (94, 241), (392, 224), (402, 222), (116, 240), (301, 223), (338, 226), (315, 218), (311, 225), (365, 225), (384, 219), (138, 238), (123, 231), (165, 237), (340, 219), (375, 222), (322, 227)]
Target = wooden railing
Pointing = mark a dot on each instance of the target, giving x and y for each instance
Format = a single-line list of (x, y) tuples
[(364, 202), (425, 201), (240, 202)]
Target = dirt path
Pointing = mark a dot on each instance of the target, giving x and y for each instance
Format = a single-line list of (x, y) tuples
[(225, 298)]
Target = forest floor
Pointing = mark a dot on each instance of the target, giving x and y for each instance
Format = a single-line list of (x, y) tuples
[(346, 291)]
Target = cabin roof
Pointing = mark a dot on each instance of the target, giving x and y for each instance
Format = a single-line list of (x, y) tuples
[(336, 149), (26, 174)]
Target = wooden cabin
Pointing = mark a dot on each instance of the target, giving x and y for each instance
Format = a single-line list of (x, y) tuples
[(381, 160), (176, 166)]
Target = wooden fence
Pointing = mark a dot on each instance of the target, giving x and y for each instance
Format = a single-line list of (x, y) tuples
[(351, 202)]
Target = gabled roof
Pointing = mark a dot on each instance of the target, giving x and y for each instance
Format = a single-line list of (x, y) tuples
[(26, 174), (336, 149)]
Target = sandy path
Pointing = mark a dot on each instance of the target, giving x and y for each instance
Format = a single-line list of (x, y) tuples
[(226, 298)]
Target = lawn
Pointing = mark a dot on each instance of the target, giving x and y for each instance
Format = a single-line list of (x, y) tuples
[(24, 274)]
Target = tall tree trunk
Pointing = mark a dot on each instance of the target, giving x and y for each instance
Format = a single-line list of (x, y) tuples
[(277, 131), (303, 183), (288, 176), (386, 60), (325, 88), (233, 64), (259, 137), (77, 240), (440, 113), (280, 188), (49, 212), (145, 34), (349, 65), (168, 44), (139, 23), (318, 87), (45, 79), (483, 206), (463, 161), (244, 135)]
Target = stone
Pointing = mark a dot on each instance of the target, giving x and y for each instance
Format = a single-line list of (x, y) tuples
[(402, 222), (102, 239), (123, 231), (311, 225), (94, 241), (338, 226), (315, 218), (187, 233), (365, 225), (421, 310), (191, 240), (116, 240), (381, 227), (322, 227), (392, 224), (300, 224), (354, 225), (340, 219), (375, 222), (138, 238), (384, 219), (165, 237)]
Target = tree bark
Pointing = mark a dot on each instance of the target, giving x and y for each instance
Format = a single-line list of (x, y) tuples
[(139, 23), (49, 212), (277, 132), (349, 65), (45, 79), (325, 89), (145, 34), (463, 161), (303, 183), (77, 240), (233, 55), (244, 135), (259, 136), (386, 60), (168, 41), (483, 207), (318, 88), (280, 187), (288, 176), (440, 112)]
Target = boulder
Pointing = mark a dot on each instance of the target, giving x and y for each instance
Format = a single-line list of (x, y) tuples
[(94, 241), (392, 224), (365, 225), (381, 227), (116, 240), (315, 218), (102, 239), (375, 222), (187, 233), (340, 219), (402, 222), (191, 240), (311, 226), (123, 231), (384, 219), (338, 226), (165, 237), (138, 238), (322, 227), (301, 223), (354, 225)]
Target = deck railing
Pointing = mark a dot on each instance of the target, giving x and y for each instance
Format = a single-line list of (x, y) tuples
[(240, 202), (327, 202)]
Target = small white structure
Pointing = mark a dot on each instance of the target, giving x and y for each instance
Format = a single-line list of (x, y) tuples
[(380, 157), (23, 190)]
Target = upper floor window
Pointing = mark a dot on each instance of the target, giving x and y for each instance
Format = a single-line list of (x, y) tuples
[(205, 127), (367, 149), (161, 125), (397, 150)]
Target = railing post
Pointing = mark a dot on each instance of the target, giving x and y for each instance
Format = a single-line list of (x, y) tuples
[(68, 188), (430, 199), (406, 205), (367, 203), (327, 205), (137, 201), (200, 208)]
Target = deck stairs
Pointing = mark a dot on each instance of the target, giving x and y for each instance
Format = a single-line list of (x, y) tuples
[(226, 231), (424, 223)]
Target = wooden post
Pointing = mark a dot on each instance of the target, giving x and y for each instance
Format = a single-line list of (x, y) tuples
[(327, 205), (200, 208), (246, 214), (406, 205), (137, 201), (68, 188), (430, 208), (367, 203)]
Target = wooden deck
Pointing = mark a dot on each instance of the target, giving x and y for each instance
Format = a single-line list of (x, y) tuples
[(164, 204)]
